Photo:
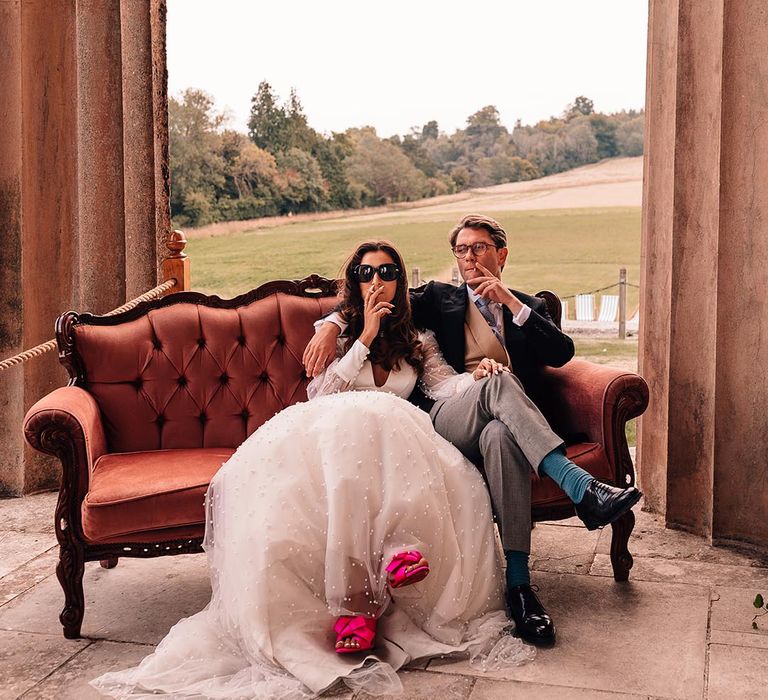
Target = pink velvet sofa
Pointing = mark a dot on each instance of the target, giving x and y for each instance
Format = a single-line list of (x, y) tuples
[(161, 395)]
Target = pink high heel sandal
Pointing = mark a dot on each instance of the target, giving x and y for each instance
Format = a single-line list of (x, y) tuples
[(397, 568), (362, 629)]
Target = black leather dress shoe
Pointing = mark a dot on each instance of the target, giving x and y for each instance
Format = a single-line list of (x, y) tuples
[(603, 504), (532, 622)]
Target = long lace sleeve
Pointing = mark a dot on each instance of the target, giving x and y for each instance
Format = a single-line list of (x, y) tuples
[(340, 375), (439, 380)]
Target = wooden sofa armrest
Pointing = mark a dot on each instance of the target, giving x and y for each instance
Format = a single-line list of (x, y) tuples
[(67, 424), (590, 402)]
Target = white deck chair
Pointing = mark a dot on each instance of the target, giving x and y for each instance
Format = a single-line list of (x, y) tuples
[(564, 310), (609, 307), (585, 307)]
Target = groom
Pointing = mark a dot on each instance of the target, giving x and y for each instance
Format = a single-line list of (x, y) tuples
[(494, 423)]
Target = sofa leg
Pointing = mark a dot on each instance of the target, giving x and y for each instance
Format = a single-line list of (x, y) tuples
[(70, 571), (621, 559), (109, 563)]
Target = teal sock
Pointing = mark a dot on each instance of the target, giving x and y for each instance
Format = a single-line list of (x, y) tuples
[(517, 569), (572, 479)]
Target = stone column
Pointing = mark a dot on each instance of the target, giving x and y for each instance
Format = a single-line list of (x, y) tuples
[(84, 206), (740, 500), (12, 380), (705, 246), (101, 224)]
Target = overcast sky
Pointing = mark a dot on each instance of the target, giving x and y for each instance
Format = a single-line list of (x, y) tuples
[(397, 64)]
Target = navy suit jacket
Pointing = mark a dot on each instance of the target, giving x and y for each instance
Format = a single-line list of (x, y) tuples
[(442, 308)]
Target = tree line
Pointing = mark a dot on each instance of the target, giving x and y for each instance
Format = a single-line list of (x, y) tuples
[(283, 166)]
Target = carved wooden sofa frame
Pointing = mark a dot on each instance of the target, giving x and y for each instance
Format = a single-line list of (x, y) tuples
[(69, 424)]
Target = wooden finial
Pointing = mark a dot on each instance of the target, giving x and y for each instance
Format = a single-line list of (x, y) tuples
[(176, 265), (176, 243)]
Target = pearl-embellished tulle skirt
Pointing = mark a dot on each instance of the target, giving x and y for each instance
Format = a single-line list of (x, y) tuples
[(301, 523)]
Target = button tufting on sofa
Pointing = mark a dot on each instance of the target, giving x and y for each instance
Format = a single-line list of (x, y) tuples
[(161, 444), (140, 489)]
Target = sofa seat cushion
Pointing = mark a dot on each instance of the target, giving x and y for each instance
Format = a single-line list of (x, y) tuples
[(590, 456), (138, 496)]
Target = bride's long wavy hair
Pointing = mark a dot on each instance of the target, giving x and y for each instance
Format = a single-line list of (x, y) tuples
[(397, 340)]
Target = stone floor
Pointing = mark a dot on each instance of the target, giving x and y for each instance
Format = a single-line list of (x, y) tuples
[(681, 628)]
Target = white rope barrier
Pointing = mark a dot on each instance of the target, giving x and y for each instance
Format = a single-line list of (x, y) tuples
[(51, 344)]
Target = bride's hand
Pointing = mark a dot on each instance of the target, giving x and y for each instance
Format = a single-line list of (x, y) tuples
[(487, 367), (373, 312)]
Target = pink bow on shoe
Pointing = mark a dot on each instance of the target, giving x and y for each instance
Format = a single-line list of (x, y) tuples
[(362, 629), (398, 569)]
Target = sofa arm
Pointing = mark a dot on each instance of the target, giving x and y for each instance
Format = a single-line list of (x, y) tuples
[(67, 424), (586, 401)]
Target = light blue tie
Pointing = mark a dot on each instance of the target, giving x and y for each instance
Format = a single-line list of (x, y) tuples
[(482, 305)]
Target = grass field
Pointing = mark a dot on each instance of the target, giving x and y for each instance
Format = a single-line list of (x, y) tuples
[(566, 250)]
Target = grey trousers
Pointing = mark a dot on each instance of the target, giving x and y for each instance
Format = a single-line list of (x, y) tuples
[(495, 422)]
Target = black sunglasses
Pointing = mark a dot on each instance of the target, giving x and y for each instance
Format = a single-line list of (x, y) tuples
[(387, 272)]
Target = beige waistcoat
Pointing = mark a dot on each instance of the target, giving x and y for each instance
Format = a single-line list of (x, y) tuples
[(480, 341)]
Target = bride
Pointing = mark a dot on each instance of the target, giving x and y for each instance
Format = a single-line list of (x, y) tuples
[(345, 538)]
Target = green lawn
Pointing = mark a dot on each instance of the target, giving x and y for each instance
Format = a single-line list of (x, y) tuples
[(609, 351), (566, 250)]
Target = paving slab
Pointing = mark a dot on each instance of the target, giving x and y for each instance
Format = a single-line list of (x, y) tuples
[(138, 601), (562, 549), (71, 679), (737, 672), (651, 539), (420, 685), (685, 571), (567, 522), (733, 610), (33, 513), (520, 690), (28, 575), (740, 639), (17, 548), (639, 638), (25, 659)]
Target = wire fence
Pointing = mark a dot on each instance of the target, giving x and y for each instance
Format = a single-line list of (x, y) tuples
[(600, 289)]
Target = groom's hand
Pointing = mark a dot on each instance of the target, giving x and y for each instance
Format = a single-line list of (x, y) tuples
[(488, 366), (492, 288), (321, 349)]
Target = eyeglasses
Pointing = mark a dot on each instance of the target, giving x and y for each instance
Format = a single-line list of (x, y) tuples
[(460, 251), (387, 272)]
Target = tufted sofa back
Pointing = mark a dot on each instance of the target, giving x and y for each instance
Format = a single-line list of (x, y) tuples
[(189, 375)]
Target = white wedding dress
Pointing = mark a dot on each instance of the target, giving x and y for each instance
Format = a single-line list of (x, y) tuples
[(301, 523)]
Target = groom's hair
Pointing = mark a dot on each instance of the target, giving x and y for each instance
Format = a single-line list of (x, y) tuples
[(484, 223)]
